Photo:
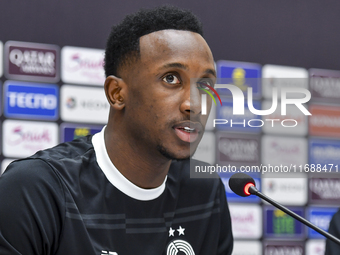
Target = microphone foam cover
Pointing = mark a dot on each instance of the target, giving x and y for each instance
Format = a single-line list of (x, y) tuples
[(237, 183)]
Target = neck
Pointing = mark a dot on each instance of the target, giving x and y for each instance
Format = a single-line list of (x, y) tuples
[(139, 165)]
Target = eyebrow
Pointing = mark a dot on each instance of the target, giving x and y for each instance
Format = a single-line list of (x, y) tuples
[(211, 71), (177, 65), (185, 67)]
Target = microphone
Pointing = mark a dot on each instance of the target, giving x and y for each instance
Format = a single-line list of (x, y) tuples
[(244, 186)]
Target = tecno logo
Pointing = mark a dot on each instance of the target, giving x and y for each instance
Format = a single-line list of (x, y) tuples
[(30, 100), (238, 99)]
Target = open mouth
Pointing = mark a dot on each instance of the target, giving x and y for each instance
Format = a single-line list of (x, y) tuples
[(188, 131)]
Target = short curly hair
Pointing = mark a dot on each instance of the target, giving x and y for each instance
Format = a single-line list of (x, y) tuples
[(123, 42)]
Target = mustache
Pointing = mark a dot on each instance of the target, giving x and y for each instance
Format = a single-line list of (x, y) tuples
[(195, 119)]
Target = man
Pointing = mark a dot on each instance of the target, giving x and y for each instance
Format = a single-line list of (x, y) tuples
[(127, 189)]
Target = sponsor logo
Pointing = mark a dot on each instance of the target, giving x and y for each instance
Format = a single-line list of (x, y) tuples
[(289, 191), (283, 77), (325, 85), (82, 66), (284, 151), (32, 61), (325, 121), (24, 138), (84, 104), (320, 216), (284, 248), (70, 132), (324, 190), (1, 60), (246, 221), (280, 224), (238, 149), (70, 102), (28, 100), (324, 152)]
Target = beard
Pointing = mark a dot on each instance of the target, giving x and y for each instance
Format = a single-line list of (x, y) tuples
[(172, 156)]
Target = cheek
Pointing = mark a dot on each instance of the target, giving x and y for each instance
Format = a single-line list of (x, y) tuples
[(155, 111), (161, 113)]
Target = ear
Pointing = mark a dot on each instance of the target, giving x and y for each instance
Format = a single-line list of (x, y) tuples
[(115, 91)]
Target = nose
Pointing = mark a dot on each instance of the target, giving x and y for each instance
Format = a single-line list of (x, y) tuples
[(191, 103)]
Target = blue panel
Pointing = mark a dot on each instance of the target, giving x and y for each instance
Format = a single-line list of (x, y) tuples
[(281, 225), (320, 216), (31, 100), (325, 152), (71, 131)]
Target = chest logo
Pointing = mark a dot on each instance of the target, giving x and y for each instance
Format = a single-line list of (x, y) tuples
[(179, 247)]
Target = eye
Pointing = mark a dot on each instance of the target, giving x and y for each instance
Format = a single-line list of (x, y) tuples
[(171, 79), (205, 83)]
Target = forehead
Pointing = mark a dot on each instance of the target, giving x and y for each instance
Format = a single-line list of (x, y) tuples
[(174, 45)]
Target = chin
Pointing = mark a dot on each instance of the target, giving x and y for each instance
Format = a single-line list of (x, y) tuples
[(183, 155)]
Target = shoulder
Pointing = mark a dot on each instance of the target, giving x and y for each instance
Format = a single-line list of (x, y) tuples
[(30, 176), (31, 198), (69, 157), (47, 167), (71, 149), (31, 187), (27, 171)]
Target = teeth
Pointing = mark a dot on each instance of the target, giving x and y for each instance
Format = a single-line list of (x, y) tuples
[(187, 129)]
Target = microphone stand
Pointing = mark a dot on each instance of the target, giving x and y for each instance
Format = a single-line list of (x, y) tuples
[(253, 190)]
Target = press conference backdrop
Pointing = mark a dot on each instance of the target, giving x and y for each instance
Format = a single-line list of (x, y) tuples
[(51, 78)]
